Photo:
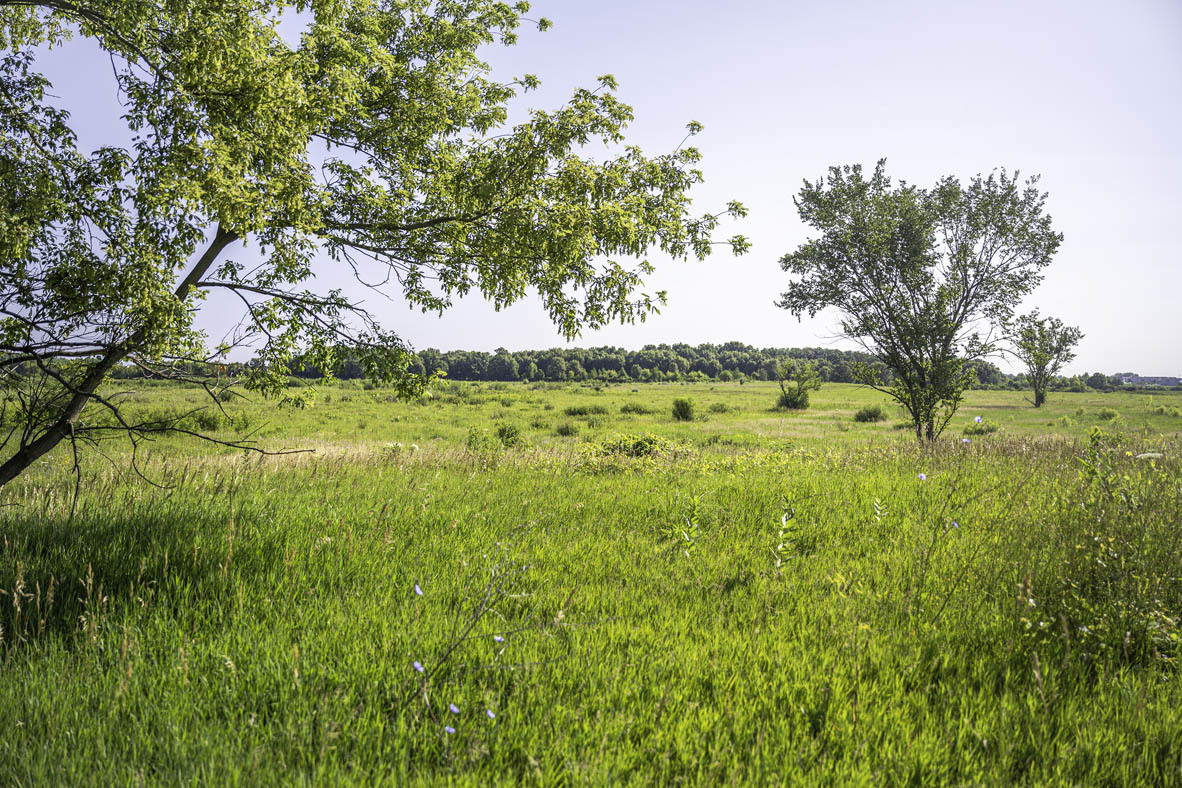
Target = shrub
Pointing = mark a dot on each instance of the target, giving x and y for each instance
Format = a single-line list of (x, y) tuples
[(683, 409), (635, 407), (871, 413), (586, 410), (1107, 414), (508, 434), (980, 428), (797, 379), (642, 446), (480, 442), (721, 407), (207, 420), (566, 429)]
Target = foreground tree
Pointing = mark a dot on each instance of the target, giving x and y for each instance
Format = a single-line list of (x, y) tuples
[(923, 279), (1043, 345), (797, 378), (373, 148)]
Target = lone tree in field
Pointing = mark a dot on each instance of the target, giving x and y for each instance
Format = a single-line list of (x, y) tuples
[(374, 147), (797, 378), (1044, 345), (923, 279)]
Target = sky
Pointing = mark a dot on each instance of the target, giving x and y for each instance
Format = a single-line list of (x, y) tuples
[(1088, 95)]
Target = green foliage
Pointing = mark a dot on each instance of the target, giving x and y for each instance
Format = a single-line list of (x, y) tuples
[(586, 410), (1043, 345), (637, 408), (914, 271), (1107, 414), (566, 429), (683, 409), (982, 427), (871, 413), (508, 434), (797, 379)]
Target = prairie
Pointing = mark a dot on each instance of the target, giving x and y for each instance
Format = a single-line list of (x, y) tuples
[(506, 583)]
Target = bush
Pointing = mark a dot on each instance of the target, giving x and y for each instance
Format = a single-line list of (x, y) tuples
[(566, 429), (508, 434), (980, 428), (635, 407), (207, 420), (797, 379), (1107, 414), (683, 409), (721, 407), (586, 410), (871, 413)]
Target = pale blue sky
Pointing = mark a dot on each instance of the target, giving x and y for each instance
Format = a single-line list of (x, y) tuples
[(1084, 93)]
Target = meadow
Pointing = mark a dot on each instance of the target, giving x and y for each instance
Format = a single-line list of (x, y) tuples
[(562, 584)]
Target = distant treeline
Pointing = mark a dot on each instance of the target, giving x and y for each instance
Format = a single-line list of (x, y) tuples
[(732, 361)]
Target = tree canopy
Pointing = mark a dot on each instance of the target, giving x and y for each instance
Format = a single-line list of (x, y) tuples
[(376, 145), (922, 278)]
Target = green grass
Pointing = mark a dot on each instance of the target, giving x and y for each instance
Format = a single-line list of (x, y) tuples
[(750, 597)]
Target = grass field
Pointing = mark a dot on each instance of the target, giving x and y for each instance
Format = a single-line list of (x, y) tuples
[(608, 596)]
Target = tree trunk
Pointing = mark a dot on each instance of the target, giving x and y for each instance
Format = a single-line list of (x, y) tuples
[(1040, 396), (31, 452)]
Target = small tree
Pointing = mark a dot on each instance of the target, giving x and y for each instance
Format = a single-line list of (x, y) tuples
[(1043, 345), (921, 278), (797, 379)]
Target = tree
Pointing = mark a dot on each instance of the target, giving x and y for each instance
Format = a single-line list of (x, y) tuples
[(922, 279), (797, 378), (503, 366), (373, 147), (1043, 345)]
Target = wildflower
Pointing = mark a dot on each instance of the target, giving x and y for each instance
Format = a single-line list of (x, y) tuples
[(449, 729), (453, 708), (978, 419), (419, 667), (498, 638), (923, 477), (490, 714), (965, 440), (955, 524), (418, 591)]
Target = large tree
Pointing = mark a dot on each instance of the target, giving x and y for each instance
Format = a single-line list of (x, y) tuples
[(1043, 345), (923, 279), (375, 146)]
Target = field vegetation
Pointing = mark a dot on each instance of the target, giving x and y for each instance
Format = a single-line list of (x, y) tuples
[(509, 583)]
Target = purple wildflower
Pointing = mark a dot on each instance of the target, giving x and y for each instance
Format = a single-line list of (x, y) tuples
[(453, 708), (498, 638), (418, 591), (419, 667), (923, 477), (978, 419), (449, 729), (490, 714)]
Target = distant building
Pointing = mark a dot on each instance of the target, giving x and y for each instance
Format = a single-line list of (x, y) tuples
[(1150, 380)]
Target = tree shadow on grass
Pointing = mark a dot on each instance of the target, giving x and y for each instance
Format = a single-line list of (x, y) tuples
[(61, 575)]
